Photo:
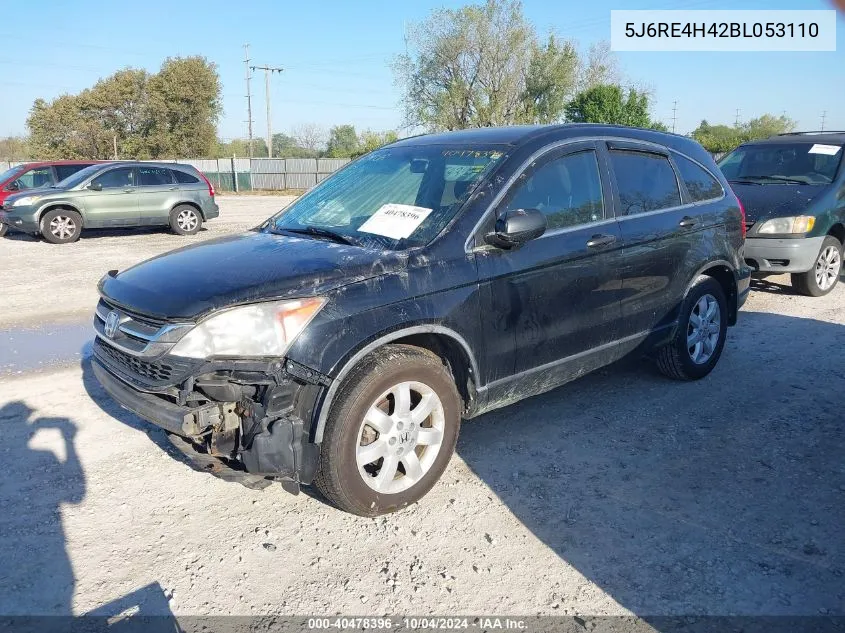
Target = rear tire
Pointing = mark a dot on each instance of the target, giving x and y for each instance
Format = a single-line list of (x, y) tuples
[(824, 275), (185, 220), (700, 337), (390, 433), (61, 226)]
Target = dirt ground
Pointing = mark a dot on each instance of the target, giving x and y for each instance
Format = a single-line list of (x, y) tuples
[(620, 493)]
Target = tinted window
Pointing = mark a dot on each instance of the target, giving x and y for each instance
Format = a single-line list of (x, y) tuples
[(152, 176), (567, 190), (39, 177), (646, 182), (700, 183), (63, 171), (185, 178), (123, 177)]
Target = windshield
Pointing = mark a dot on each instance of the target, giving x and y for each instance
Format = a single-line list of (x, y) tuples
[(392, 198), (801, 162), (9, 173), (78, 177)]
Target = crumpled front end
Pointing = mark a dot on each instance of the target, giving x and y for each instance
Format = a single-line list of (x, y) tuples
[(249, 416)]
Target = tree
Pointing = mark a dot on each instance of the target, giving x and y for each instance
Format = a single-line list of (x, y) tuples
[(602, 67), (285, 146), (612, 104), (168, 114), (343, 142), (370, 141), (310, 136), (483, 65), (14, 148), (723, 138), (765, 126)]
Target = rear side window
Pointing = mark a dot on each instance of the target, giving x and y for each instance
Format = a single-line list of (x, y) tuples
[(646, 182), (701, 185), (63, 171), (185, 178), (567, 190), (152, 176)]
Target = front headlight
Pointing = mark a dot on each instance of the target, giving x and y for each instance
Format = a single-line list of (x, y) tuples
[(257, 330), (796, 224), (24, 201)]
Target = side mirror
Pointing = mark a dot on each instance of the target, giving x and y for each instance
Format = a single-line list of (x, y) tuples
[(95, 186), (517, 226), (13, 186)]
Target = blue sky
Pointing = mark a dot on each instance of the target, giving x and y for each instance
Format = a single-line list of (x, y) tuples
[(336, 56)]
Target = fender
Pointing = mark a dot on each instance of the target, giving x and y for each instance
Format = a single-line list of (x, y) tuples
[(324, 405)]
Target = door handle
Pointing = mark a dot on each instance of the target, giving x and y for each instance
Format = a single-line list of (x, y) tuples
[(687, 221), (598, 241)]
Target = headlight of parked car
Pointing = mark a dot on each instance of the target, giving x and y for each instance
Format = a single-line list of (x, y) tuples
[(796, 224), (24, 201), (257, 330)]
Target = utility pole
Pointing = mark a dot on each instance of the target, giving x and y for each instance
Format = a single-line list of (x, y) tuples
[(674, 114), (114, 143), (248, 98), (824, 116), (268, 70), (736, 121)]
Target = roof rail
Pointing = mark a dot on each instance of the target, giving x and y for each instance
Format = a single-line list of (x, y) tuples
[(811, 132)]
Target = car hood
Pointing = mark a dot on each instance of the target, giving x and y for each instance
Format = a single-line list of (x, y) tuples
[(249, 267), (762, 202), (41, 192)]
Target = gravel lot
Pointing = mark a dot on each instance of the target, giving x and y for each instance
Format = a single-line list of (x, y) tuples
[(619, 493)]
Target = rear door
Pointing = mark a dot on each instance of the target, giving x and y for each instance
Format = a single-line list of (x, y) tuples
[(116, 204), (556, 297), (660, 230), (157, 191)]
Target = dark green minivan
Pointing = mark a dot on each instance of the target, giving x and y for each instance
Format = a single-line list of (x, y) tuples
[(793, 189), (118, 194)]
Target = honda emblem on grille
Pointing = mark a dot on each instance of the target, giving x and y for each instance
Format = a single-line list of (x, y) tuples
[(112, 321)]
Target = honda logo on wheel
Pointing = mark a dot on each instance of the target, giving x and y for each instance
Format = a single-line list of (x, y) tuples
[(112, 321)]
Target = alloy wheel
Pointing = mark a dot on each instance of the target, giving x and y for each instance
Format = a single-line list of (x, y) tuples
[(62, 227), (828, 266), (704, 329), (400, 437), (187, 220)]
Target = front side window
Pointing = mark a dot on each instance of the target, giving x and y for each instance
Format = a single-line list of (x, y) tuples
[(646, 182), (34, 178), (153, 176), (396, 197), (803, 162), (567, 190), (700, 183), (114, 178)]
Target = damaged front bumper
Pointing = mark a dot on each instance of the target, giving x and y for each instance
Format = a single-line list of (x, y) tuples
[(249, 421)]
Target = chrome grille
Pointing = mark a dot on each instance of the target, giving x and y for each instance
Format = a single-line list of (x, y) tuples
[(137, 335)]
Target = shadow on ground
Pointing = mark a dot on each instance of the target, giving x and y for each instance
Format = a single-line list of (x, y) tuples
[(98, 233), (724, 496)]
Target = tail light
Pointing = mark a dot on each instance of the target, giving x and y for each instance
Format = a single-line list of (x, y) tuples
[(211, 187)]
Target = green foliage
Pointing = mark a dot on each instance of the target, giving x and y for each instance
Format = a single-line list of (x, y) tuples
[(285, 146), (171, 113), (14, 148), (370, 140), (343, 142), (483, 65), (610, 103), (724, 138)]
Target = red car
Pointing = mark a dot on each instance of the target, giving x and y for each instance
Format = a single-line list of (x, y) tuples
[(36, 175)]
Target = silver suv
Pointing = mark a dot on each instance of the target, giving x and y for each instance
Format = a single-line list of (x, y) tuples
[(120, 194)]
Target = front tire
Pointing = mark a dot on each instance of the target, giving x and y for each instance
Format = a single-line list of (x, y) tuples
[(3, 229), (390, 433), (185, 220), (824, 275), (61, 226), (700, 337)]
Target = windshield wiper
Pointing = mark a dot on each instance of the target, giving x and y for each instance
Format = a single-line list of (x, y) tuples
[(748, 179), (744, 181), (319, 232)]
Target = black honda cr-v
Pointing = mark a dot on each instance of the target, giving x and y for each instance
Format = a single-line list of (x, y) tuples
[(442, 276)]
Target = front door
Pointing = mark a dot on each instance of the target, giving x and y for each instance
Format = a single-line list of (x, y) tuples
[(156, 192), (116, 203), (556, 298)]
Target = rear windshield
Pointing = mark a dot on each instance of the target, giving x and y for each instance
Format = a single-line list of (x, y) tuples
[(800, 162), (395, 198)]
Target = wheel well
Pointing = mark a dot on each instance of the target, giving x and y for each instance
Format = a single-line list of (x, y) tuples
[(838, 231), (188, 204), (454, 356), (52, 207), (726, 279)]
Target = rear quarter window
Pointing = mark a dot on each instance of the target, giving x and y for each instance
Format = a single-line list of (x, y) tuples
[(185, 178), (701, 184)]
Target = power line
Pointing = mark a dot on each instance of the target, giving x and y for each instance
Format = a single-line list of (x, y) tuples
[(248, 98), (268, 70)]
